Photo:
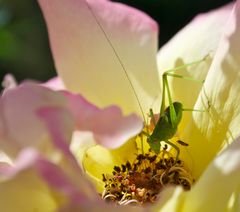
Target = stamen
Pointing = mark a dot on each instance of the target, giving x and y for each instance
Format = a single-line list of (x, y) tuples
[(141, 181)]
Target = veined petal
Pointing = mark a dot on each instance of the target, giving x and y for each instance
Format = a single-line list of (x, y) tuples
[(208, 132), (91, 61), (195, 41)]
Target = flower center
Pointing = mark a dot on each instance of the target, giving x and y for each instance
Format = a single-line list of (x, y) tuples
[(142, 180)]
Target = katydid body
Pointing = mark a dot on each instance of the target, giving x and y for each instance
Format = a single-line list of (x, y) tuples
[(165, 129), (170, 117)]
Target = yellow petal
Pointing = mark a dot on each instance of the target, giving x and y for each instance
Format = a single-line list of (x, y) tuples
[(99, 160), (26, 192), (171, 199), (198, 39), (86, 60), (213, 191), (207, 133)]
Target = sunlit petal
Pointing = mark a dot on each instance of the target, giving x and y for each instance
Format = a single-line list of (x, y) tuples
[(212, 191), (194, 42), (88, 63), (99, 160), (208, 132), (217, 183), (55, 84)]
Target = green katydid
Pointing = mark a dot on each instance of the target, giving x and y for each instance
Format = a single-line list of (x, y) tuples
[(170, 117)]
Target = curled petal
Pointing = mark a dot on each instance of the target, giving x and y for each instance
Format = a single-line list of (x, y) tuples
[(109, 127), (95, 42), (18, 108), (60, 133), (55, 84), (22, 107), (23, 189), (60, 125), (9, 82), (47, 185)]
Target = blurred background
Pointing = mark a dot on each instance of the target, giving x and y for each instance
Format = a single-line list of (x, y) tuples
[(24, 48)]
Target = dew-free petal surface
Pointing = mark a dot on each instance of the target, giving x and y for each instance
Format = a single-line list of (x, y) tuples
[(19, 124), (84, 56), (60, 133), (24, 190), (109, 126), (99, 160), (212, 191), (55, 83), (36, 183), (208, 132), (194, 42), (100, 207)]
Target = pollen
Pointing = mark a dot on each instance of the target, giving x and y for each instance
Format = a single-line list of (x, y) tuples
[(141, 181)]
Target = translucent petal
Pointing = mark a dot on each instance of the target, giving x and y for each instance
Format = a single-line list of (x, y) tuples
[(208, 132), (194, 42), (90, 61)]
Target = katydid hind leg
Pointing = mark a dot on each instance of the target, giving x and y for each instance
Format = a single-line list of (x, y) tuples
[(175, 147), (187, 65), (173, 115)]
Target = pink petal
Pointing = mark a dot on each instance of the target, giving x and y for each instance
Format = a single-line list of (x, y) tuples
[(110, 128), (60, 125), (9, 82), (85, 59), (55, 84), (19, 124), (57, 178)]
